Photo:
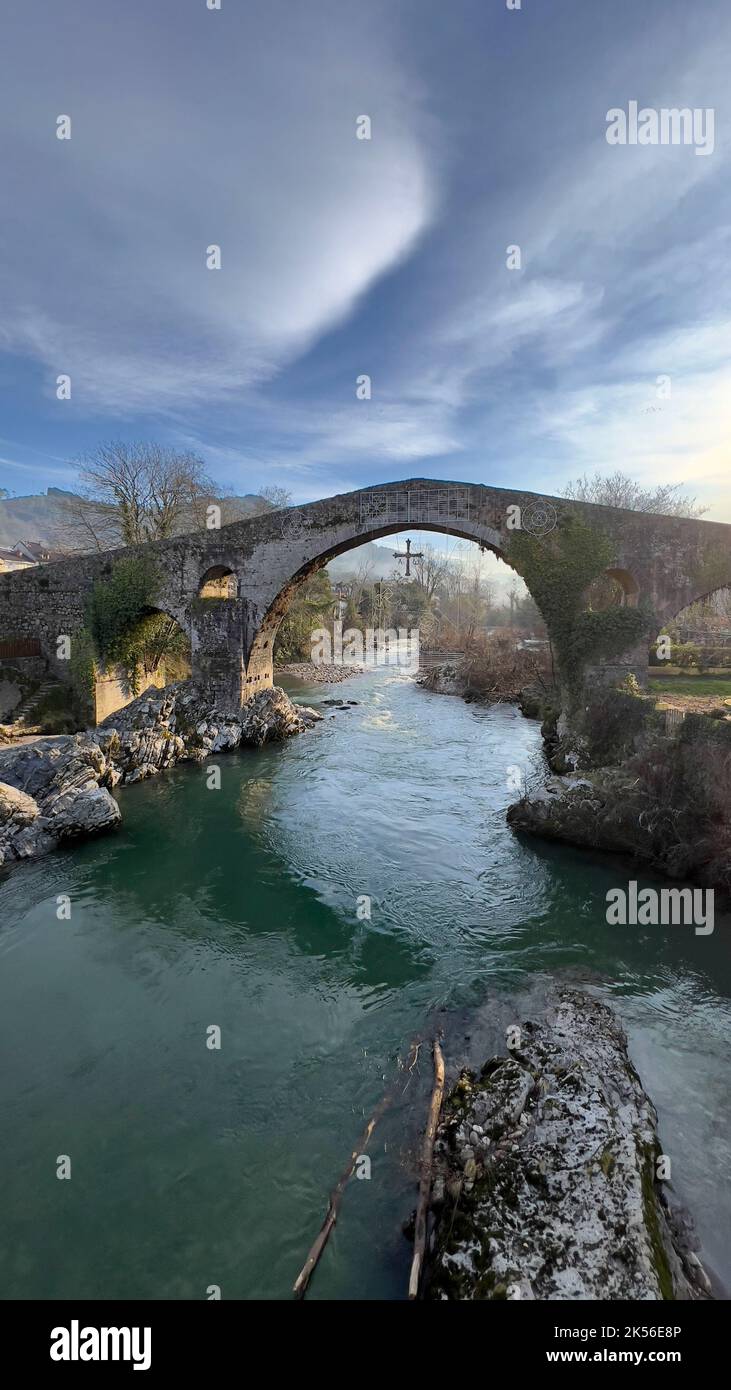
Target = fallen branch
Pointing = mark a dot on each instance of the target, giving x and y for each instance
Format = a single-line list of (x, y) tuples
[(299, 1287), (415, 1050), (427, 1154)]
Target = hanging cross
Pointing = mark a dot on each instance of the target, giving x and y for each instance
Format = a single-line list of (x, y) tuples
[(408, 557)]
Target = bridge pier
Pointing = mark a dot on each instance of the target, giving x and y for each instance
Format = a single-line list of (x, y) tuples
[(260, 670), (616, 669), (219, 629), (226, 661)]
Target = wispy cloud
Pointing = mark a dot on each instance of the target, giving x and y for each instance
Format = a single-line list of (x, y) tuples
[(385, 257), (264, 162)]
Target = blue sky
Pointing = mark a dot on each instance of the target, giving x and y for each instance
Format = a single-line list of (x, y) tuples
[(384, 256)]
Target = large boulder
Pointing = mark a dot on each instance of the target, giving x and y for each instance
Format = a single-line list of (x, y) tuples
[(546, 1173), (52, 793), (448, 678), (72, 816), (271, 715), (596, 810), (16, 807)]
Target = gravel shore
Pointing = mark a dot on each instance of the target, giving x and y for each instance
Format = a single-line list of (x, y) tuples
[(319, 674)]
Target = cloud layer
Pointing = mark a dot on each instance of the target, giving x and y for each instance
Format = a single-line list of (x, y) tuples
[(385, 256)]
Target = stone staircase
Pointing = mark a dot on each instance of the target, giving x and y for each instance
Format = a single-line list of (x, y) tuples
[(22, 720)]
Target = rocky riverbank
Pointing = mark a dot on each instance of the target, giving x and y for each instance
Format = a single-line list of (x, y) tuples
[(448, 678), (546, 1173), (602, 810), (55, 790), (632, 780), (633, 784), (496, 670)]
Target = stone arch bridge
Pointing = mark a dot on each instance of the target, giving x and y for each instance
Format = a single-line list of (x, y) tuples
[(229, 588)]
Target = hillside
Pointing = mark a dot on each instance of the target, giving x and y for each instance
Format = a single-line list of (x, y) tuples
[(377, 559), (32, 518), (40, 516)]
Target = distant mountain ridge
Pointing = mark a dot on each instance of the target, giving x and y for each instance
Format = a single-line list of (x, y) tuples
[(377, 559), (40, 516), (31, 518)]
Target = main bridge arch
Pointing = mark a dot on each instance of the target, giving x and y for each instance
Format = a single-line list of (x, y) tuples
[(259, 666), (294, 544)]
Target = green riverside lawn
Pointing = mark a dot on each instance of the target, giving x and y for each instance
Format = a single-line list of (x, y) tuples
[(716, 684)]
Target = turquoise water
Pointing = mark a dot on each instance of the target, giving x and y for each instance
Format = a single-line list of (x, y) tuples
[(193, 1167)]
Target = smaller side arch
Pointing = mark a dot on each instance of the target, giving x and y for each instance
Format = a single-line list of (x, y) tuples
[(697, 642), (218, 581), (628, 584), (613, 588)]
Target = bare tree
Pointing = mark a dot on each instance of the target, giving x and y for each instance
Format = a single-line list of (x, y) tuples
[(85, 525), (360, 582), (273, 498), (619, 490), (276, 496), (132, 493), (430, 569)]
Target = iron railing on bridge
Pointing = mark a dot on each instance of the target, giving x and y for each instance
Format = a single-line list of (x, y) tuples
[(413, 505)]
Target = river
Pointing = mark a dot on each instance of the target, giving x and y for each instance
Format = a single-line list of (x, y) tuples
[(195, 1168)]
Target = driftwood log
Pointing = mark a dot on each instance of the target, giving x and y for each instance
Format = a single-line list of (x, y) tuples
[(299, 1287), (427, 1155)]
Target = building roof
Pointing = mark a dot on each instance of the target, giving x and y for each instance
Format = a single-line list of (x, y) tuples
[(35, 552), (12, 557)]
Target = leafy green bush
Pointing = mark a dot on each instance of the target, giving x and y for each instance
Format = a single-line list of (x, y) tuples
[(685, 655), (612, 723), (310, 608), (116, 606), (83, 674), (604, 634), (559, 570), (154, 643)]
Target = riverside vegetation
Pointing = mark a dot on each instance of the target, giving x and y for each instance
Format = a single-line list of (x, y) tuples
[(631, 783), (628, 779)]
